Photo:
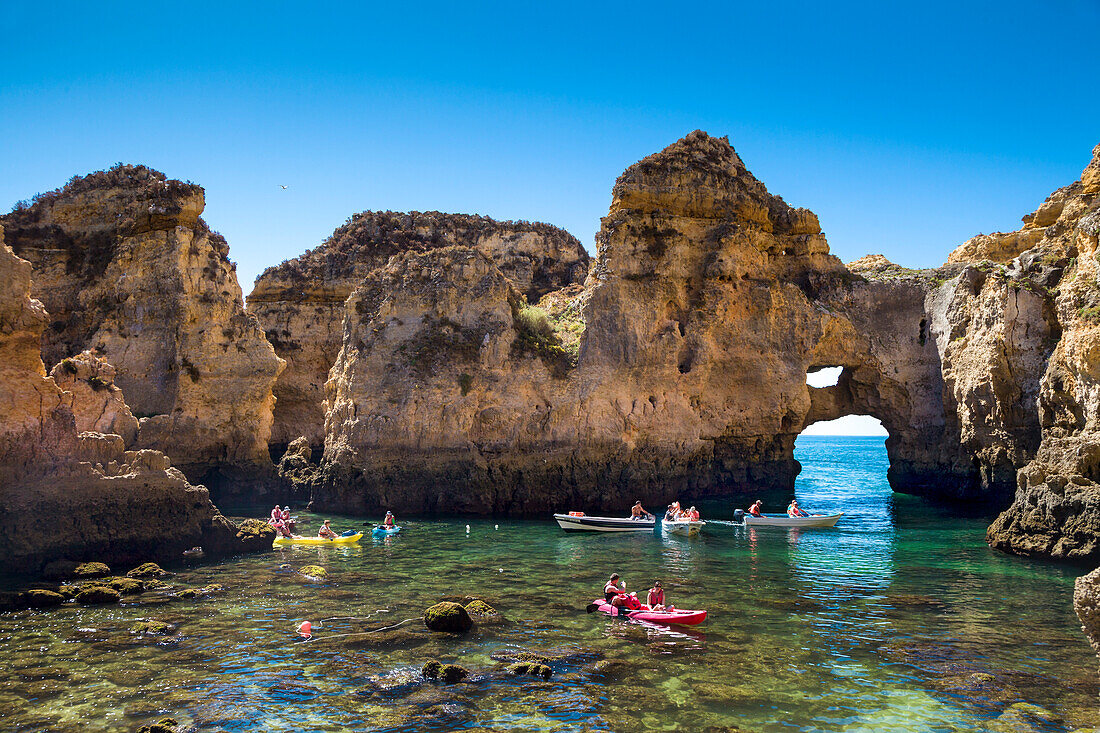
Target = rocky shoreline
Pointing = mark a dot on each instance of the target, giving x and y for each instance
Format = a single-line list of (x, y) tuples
[(428, 362)]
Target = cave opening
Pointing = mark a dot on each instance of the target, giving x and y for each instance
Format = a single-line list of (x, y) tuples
[(843, 466), (824, 376)]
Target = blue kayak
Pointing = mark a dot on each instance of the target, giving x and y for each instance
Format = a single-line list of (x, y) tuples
[(382, 531)]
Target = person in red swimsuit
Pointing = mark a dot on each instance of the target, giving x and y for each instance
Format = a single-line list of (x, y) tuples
[(755, 508)]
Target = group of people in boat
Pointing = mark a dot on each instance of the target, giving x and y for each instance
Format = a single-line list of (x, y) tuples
[(676, 513), (615, 593), (793, 510), (284, 524)]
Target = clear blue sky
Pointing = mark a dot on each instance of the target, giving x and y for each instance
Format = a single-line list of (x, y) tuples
[(907, 127)]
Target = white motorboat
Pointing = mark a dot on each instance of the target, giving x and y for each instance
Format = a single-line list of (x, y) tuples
[(782, 520), (581, 523), (683, 526)]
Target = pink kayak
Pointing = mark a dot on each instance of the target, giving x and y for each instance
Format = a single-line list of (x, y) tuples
[(677, 616)]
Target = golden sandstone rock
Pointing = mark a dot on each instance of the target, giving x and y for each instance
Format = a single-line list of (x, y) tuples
[(130, 272)]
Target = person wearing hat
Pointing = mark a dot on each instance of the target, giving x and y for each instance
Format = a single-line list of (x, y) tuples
[(286, 518), (754, 510)]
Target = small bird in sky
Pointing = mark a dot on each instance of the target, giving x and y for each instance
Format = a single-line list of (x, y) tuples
[(282, 186)]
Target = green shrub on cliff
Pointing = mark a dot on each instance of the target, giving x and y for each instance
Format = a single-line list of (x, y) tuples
[(535, 335)]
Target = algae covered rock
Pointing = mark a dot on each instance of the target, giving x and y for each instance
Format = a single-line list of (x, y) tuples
[(478, 608), (164, 725), (313, 571), (59, 569), (255, 535), (152, 628), (147, 570), (91, 570), (39, 598), (1023, 717), (447, 616), (431, 669), (526, 668), (126, 586), (97, 594), (451, 673)]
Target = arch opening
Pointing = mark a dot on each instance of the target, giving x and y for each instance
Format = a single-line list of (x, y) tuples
[(827, 376)]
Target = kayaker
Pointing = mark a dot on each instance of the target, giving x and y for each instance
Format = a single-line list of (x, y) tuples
[(276, 516), (756, 507), (655, 599), (794, 511), (638, 511), (326, 531), (613, 592), (388, 522)]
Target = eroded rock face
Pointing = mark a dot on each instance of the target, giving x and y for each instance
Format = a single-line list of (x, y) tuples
[(130, 272), (73, 495), (1056, 512), (1086, 603), (702, 315), (98, 404), (301, 302)]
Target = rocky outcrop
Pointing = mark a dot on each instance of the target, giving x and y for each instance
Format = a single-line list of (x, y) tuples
[(301, 302), (130, 272), (79, 496), (1086, 603), (709, 301), (98, 404), (1056, 511)]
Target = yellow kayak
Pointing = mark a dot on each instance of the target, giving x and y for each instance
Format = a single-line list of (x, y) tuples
[(319, 540)]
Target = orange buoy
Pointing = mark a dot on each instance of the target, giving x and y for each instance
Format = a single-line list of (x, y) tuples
[(305, 629)]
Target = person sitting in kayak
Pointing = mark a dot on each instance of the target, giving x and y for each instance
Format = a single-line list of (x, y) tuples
[(693, 514), (754, 510), (614, 593), (638, 512), (794, 511), (326, 531), (655, 599), (276, 516), (388, 521)]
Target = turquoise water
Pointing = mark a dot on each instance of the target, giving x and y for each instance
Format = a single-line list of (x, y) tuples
[(900, 618)]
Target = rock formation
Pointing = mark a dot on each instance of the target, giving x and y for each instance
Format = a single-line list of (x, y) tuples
[(98, 404), (709, 301), (1056, 512), (301, 302), (80, 495), (130, 272)]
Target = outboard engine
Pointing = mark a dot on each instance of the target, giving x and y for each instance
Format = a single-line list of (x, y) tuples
[(739, 515)]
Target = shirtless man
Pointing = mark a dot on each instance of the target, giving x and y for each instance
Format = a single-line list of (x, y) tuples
[(638, 512), (326, 531)]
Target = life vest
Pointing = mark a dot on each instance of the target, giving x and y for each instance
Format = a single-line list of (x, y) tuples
[(656, 598)]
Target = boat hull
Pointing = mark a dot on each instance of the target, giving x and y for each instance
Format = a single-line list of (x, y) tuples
[(688, 529), (603, 524), (667, 618), (350, 539), (782, 520)]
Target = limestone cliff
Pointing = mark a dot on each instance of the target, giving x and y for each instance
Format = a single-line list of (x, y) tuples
[(709, 301), (73, 495), (98, 404), (301, 302), (130, 272), (1056, 512)]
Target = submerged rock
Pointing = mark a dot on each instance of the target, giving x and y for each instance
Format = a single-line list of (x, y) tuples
[(1025, 717), (314, 572), (153, 628), (526, 668), (38, 598), (98, 594), (147, 570), (126, 586), (164, 725), (447, 616)]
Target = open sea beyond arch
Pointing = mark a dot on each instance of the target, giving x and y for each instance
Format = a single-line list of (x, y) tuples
[(899, 619)]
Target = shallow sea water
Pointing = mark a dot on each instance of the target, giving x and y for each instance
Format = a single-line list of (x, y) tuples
[(898, 619)]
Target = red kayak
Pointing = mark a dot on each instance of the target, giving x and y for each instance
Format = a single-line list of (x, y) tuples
[(675, 616)]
